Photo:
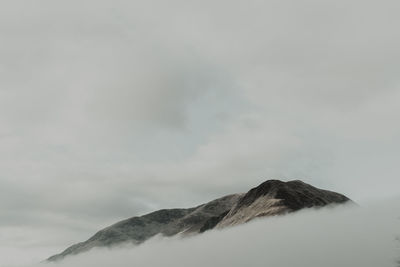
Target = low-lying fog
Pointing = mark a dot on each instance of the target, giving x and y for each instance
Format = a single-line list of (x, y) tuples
[(342, 236)]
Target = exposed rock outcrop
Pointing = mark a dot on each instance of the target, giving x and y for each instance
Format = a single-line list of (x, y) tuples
[(275, 197)]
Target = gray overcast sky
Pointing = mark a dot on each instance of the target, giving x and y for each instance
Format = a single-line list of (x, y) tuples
[(110, 109)]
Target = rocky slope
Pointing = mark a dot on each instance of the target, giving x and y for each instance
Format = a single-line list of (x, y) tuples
[(275, 197), (272, 197)]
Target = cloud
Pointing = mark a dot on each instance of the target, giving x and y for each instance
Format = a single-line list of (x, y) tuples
[(109, 109), (342, 236)]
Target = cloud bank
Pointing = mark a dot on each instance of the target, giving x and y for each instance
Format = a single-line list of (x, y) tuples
[(342, 236)]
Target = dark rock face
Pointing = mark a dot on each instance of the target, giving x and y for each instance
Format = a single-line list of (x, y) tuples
[(270, 198), (275, 197), (212, 222), (295, 195)]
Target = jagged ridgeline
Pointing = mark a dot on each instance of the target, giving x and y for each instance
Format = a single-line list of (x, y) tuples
[(272, 197)]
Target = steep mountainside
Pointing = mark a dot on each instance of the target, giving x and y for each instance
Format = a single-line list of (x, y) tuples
[(272, 197), (275, 197)]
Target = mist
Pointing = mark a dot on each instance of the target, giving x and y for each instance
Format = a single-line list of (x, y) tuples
[(109, 108), (350, 236)]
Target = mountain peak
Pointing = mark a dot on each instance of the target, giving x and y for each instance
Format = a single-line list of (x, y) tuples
[(275, 197), (295, 194)]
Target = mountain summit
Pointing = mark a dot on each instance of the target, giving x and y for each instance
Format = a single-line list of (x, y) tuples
[(270, 198)]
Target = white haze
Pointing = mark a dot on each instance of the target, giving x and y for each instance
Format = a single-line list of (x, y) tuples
[(349, 236), (112, 109)]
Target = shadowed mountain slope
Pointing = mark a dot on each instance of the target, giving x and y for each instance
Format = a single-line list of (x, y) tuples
[(167, 222)]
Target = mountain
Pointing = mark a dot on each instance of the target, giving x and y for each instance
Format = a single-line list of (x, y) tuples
[(270, 198)]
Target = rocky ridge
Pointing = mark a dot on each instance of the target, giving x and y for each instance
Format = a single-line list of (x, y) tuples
[(270, 198)]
